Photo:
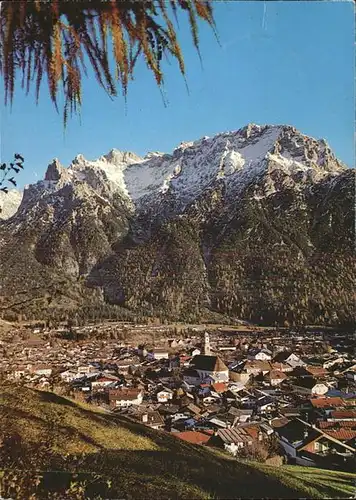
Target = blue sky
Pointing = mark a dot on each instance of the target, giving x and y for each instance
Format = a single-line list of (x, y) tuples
[(279, 62)]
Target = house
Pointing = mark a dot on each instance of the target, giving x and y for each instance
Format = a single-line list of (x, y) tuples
[(264, 403), (193, 409), (282, 367), (309, 446), (290, 412), (254, 367), (69, 375), (152, 419), (333, 361), (289, 358), (123, 398), (309, 386), (41, 370), (231, 439), (322, 449), (219, 388), (123, 365), (241, 377), (344, 435), (217, 423), (343, 415), (208, 400), (316, 371), (260, 354), (241, 416), (19, 372), (275, 377), (85, 369), (210, 366), (309, 371), (327, 403), (164, 395), (102, 381), (195, 352), (184, 360), (336, 424), (350, 375), (160, 353), (194, 437), (179, 416)]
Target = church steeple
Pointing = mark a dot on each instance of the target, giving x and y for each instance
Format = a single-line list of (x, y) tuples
[(207, 350)]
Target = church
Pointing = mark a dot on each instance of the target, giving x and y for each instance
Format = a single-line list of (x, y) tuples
[(207, 365)]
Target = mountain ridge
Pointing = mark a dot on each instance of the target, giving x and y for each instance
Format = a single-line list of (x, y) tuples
[(120, 228)]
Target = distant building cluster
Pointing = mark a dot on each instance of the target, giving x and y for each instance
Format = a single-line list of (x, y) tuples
[(238, 390)]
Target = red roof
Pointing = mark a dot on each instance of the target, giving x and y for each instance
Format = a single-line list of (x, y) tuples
[(341, 423), (252, 430), (104, 379), (123, 394), (276, 375), (193, 437), (344, 414), (341, 434), (219, 387), (327, 402), (316, 370)]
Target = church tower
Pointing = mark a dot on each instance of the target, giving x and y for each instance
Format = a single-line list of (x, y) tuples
[(207, 351)]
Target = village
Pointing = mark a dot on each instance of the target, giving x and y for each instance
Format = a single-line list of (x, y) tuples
[(276, 396)]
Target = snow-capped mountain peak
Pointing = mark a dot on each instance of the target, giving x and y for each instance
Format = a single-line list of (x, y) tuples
[(237, 159)]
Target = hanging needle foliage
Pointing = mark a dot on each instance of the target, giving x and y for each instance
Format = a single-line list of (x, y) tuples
[(55, 38)]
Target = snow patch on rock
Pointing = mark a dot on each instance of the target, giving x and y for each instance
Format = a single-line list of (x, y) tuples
[(9, 203)]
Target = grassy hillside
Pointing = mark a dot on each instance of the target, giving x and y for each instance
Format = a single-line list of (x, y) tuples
[(52, 447)]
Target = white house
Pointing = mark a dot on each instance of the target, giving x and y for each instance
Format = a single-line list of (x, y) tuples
[(152, 419), (179, 416), (160, 353), (275, 377), (260, 354), (19, 372), (123, 398), (85, 369), (102, 382), (164, 395), (69, 375), (207, 400), (288, 357)]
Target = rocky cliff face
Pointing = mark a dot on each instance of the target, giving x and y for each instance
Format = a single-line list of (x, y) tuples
[(256, 224), (9, 203)]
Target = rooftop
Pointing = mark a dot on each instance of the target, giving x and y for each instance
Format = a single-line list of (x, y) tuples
[(208, 363)]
